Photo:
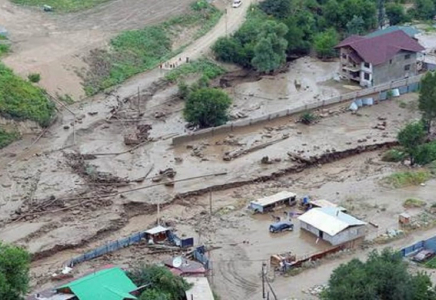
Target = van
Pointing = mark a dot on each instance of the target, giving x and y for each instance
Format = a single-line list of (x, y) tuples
[(236, 3), (281, 226)]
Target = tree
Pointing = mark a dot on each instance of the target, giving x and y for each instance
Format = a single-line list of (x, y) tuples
[(356, 26), (383, 276), (425, 9), (227, 49), (163, 284), (277, 8), (14, 272), (325, 42), (207, 107), (396, 14), (411, 137), (270, 51), (427, 99)]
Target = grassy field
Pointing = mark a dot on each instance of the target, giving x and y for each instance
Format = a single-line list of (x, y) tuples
[(136, 51), (62, 6), (21, 100), (7, 137), (402, 179), (204, 67)]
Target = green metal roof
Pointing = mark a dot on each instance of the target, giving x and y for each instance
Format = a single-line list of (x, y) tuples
[(409, 30), (108, 284)]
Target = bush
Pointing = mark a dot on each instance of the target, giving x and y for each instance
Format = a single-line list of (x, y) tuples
[(207, 107), (160, 281), (7, 137), (426, 153), (4, 48), (21, 100), (402, 179), (34, 77), (324, 43), (414, 203), (183, 90), (204, 67), (308, 118), (394, 155)]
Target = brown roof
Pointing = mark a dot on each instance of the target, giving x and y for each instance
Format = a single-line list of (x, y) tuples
[(379, 49)]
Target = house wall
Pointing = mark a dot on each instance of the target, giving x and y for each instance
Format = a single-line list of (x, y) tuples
[(394, 68), (344, 236), (365, 70)]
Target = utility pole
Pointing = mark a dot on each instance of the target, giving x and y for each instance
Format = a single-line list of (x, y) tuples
[(210, 203), (226, 21), (158, 212), (263, 281)]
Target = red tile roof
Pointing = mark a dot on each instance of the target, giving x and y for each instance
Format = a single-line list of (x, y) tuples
[(379, 49)]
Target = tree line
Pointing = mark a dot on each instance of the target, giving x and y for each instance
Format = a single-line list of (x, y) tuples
[(275, 29)]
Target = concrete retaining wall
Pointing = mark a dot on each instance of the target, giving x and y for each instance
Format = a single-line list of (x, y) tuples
[(406, 85)]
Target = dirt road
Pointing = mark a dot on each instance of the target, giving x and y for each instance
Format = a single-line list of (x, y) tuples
[(53, 45)]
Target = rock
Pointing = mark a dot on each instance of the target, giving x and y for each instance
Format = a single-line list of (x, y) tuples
[(92, 113), (66, 127), (382, 118)]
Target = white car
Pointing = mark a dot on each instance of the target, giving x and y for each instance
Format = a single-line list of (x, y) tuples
[(236, 3)]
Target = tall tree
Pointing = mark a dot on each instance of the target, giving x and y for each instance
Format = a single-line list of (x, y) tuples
[(270, 51), (383, 276), (14, 272), (356, 26), (277, 8), (325, 42), (427, 98), (425, 9), (411, 137), (396, 14), (207, 107)]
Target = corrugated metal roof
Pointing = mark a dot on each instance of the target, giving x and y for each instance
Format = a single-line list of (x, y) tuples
[(109, 284), (274, 198), (409, 30), (325, 203), (157, 229), (329, 220)]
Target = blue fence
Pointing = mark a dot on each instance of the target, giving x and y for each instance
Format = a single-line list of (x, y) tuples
[(424, 244), (110, 247)]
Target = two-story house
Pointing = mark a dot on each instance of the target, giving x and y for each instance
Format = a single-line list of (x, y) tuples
[(375, 60)]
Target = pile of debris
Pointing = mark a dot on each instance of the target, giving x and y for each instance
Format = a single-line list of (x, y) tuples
[(167, 175), (138, 136), (316, 290)]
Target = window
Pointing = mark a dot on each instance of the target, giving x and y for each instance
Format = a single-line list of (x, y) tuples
[(390, 61), (407, 56), (366, 76), (366, 65), (406, 67), (344, 56)]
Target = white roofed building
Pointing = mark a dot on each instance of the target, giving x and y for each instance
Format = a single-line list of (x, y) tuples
[(332, 225)]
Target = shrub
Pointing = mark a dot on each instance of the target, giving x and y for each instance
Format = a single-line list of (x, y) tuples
[(34, 77), (207, 107), (413, 203), (402, 179), (7, 137), (21, 100), (4, 48), (308, 118), (394, 155), (426, 153)]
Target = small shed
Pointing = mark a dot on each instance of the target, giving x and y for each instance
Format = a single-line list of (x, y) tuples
[(404, 218), (157, 234), (269, 203), (200, 289), (187, 268), (332, 225)]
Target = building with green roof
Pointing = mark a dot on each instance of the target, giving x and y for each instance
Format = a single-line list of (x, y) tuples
[(108, 284), (409, 30)]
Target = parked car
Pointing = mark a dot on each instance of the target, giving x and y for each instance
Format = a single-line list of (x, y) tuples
[(423, 255), (281, 226), (236, 3)]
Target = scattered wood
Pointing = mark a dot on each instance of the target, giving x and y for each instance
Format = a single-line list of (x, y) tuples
[(373, 224), (235, 154)]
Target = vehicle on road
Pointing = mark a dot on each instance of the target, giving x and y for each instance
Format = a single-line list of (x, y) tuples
[(281, 226), (236, 3)]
